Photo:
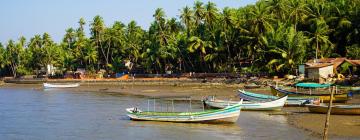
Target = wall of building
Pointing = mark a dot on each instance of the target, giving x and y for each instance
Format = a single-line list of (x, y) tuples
[(316, 73), (324, 72), (313, 73)]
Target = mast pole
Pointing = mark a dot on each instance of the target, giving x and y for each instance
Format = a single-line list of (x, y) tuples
[(327, 121)]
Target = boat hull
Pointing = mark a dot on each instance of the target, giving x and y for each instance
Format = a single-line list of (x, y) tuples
[(229, 118), (47, 85), (291, 101), (228, 115), (276, 104), (339, 98), (337, 110)]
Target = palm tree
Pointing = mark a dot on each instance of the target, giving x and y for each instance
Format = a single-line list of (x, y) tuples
[(49, 52), (69, 37), (81, 24), (277, 8), (196, 44), (298, 12), (118, 39), (12, 56), (2, 57), (97, 31), (210, 14), (253, 33), (90, 55), (259, 20), (187, 19), (134, 35), (289, 50), (198, 12), (319, 38), (34, 47)]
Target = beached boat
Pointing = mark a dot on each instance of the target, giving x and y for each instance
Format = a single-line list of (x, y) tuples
[(355, 88), (324, 97), (276, 104), (335, 109), (228, 114), (291, 101), (48, 85)]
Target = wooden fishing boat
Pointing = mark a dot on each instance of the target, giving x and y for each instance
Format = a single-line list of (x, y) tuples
[(338, 97), (48, 85), (335, 109), (291, 101), (276, 104), (228, 114)]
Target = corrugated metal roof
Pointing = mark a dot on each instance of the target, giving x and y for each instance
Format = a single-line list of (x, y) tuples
[(317, 65)]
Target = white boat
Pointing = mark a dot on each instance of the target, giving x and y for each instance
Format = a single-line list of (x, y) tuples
[(276, 104), (256, 97), (48, 85), (228, 114)]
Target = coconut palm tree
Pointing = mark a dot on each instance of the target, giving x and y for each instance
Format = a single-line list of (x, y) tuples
[(210, 14), (13, 56), (69, 37), (319, 39), (187, 19), (289, 49), (298, 12), (97, 31), (199, 12)]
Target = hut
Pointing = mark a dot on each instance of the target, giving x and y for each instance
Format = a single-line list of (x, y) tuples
[(320, 71), (340, 65)]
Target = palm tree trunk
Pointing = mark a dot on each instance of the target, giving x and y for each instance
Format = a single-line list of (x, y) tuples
[(317, 49)]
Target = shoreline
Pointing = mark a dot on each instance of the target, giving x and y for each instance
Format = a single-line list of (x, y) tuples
[(340, 126)]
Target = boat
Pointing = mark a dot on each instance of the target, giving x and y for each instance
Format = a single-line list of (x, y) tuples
[(324, 97), (72, 85), (357, 88), (252, 86), (335, 109), (229, 114), (291, 101), (276, 104), (350, 88)]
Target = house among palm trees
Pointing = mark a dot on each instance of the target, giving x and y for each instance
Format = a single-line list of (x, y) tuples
[(325, 68)]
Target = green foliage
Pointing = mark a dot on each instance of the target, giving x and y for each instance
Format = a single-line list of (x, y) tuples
[(353, 51), (273, 35)]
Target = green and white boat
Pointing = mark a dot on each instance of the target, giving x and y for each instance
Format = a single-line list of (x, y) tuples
[(291, 101), (229, 114), (272, 105)]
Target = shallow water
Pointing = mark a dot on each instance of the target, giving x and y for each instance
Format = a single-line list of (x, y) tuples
[(56, 114)]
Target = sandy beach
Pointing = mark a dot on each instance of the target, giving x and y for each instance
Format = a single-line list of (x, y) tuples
[(340, 126)]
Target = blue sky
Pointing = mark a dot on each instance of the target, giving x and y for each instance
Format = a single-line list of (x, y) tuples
[(30, 17)]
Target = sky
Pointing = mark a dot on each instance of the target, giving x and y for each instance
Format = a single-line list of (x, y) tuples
[(30, 17)]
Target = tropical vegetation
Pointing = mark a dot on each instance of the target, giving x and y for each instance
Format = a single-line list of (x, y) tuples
[(272, 36)]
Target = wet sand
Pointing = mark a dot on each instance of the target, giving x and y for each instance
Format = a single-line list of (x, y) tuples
[(340, 126)]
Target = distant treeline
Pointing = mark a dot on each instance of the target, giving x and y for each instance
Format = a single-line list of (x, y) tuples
[(272, 36)]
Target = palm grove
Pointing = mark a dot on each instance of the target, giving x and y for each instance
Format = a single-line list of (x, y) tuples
[(273, 35)]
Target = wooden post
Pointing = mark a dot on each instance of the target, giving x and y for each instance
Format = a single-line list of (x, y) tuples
[(172, 104), (148, 108), (327, 121), (154, 105), (190, 105)]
